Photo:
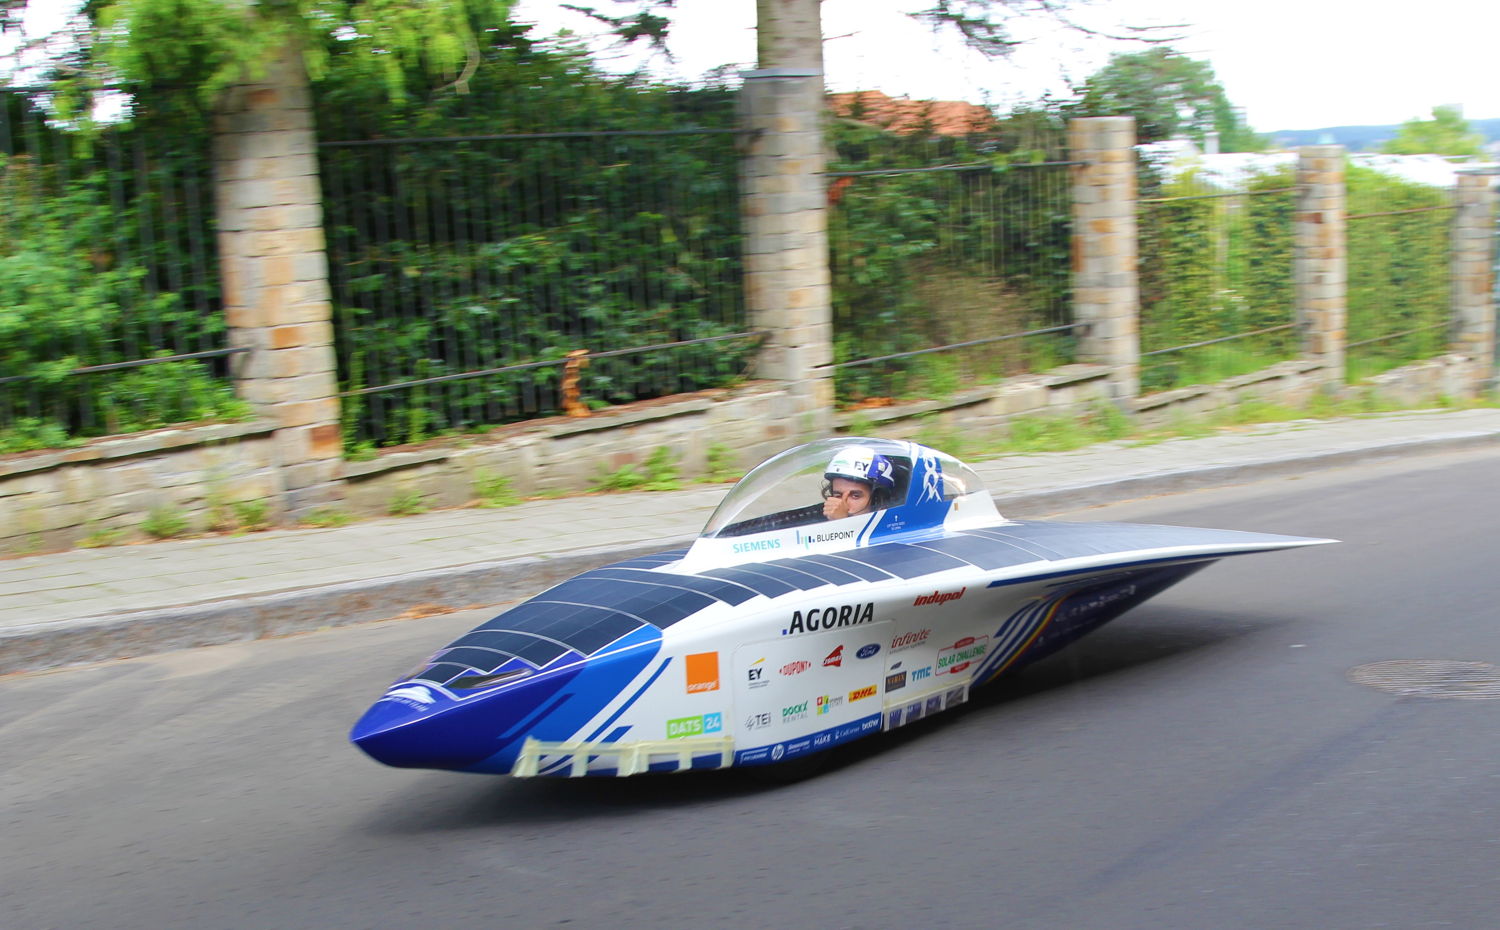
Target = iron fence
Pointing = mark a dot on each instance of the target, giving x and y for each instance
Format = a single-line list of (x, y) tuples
[(950, 263), (1217, 289), (110, 317), (487, 278), (1399, 243)]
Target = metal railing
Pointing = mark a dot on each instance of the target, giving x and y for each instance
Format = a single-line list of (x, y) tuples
[(468, 271), (1217, 293), (1399, 241), (108, 280), (948, 274)]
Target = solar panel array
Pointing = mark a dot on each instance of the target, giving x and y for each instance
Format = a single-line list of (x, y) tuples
[(582, 616)]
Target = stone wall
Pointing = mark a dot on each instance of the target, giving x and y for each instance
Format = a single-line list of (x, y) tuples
[(559, 455), (986, 412), (110, 490)]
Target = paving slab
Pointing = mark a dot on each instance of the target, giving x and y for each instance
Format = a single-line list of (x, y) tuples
[(92, 604)]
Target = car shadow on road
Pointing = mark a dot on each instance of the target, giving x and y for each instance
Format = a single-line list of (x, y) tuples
[(1152, 635)]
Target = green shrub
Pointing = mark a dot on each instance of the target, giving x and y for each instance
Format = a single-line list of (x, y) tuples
[(493, 490), (165, 521)]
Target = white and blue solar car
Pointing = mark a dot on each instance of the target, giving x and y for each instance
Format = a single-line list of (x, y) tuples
[(780, 633)]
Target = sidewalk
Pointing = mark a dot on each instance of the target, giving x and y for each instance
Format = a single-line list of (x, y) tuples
[(92, 604)]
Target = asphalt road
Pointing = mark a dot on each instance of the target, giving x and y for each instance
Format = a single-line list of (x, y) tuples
[(1202, 762)]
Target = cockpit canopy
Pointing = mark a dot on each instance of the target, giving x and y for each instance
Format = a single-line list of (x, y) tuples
[(785, 491)]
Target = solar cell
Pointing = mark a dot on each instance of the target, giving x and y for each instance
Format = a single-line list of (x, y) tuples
[(823, 570), (904, 560), (860, 569), (726, 591), (477, 658), (757, 582), (785, 570), (980, 552), (538, 652)]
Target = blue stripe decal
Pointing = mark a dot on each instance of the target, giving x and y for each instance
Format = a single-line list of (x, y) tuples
[(614, 736), (633, 698)]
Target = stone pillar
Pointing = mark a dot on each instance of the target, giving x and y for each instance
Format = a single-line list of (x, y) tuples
[(1106, 290), (1473, 286), (784, 204), (275, 274), (1320, 263)]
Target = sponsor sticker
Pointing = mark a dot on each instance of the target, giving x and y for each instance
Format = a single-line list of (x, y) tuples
[(895, 682), (758, 721), (808, 540), (827, 702), (830, 618), (683, 727), (796, 668), (759, 545), (702, 672), (919, 674), (957, 657), (834, 659), (938, 598), (794, 712), (862, 693), (755, 675), (908, 640), (866, 651)]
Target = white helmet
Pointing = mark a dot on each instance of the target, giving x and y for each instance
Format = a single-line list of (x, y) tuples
[(861, 463)]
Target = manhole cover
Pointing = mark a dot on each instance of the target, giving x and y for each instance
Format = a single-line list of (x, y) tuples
[(1435, 678)]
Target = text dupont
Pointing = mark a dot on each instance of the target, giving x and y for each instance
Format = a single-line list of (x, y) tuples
[(830, 617), (938, 597)]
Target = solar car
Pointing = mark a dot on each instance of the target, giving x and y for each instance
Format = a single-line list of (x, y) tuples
[(787, 628)]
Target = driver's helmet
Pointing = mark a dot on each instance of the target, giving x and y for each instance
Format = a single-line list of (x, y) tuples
[(861, 463)]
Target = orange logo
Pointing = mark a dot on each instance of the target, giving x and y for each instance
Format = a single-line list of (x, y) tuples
[(702, 672)]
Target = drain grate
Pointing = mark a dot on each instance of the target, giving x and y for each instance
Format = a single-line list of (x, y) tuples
[(1434, 678)]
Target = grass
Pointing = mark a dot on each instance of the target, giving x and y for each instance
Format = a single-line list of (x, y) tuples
[(164, 522), (493, 490), (657, 473)]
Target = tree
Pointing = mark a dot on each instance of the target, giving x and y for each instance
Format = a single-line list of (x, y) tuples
[(204, 46), (1447, 133), (1169, 95)]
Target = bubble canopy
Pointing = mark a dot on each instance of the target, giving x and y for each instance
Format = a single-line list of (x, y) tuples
[(786, 489)]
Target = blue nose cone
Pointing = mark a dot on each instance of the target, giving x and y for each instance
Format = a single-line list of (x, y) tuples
[(419, 725)]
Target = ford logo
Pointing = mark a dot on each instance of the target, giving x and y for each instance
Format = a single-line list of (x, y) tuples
[(866, 651)]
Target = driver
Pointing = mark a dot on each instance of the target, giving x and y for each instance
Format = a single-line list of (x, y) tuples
[(858, 480)]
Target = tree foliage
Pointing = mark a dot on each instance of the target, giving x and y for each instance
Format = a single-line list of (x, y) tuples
[(180, 51), (1169, 95), (1446, 133)]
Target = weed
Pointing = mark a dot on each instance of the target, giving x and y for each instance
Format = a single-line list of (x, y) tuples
[(363, 451), (327, 517), (407, 503), (720, 463), (100, 537), (657, 473), (251, 515), (165, 521), (494, 490)]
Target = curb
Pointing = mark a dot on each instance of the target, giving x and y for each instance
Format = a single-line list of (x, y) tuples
[(124, 635)]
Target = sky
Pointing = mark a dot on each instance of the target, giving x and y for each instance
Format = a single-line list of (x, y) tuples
[(1290, 64)]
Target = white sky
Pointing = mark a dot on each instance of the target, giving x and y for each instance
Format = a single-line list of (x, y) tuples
[(1291, 64), (1370, 61)]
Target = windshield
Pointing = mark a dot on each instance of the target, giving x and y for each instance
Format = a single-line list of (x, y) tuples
[(787, 489)]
